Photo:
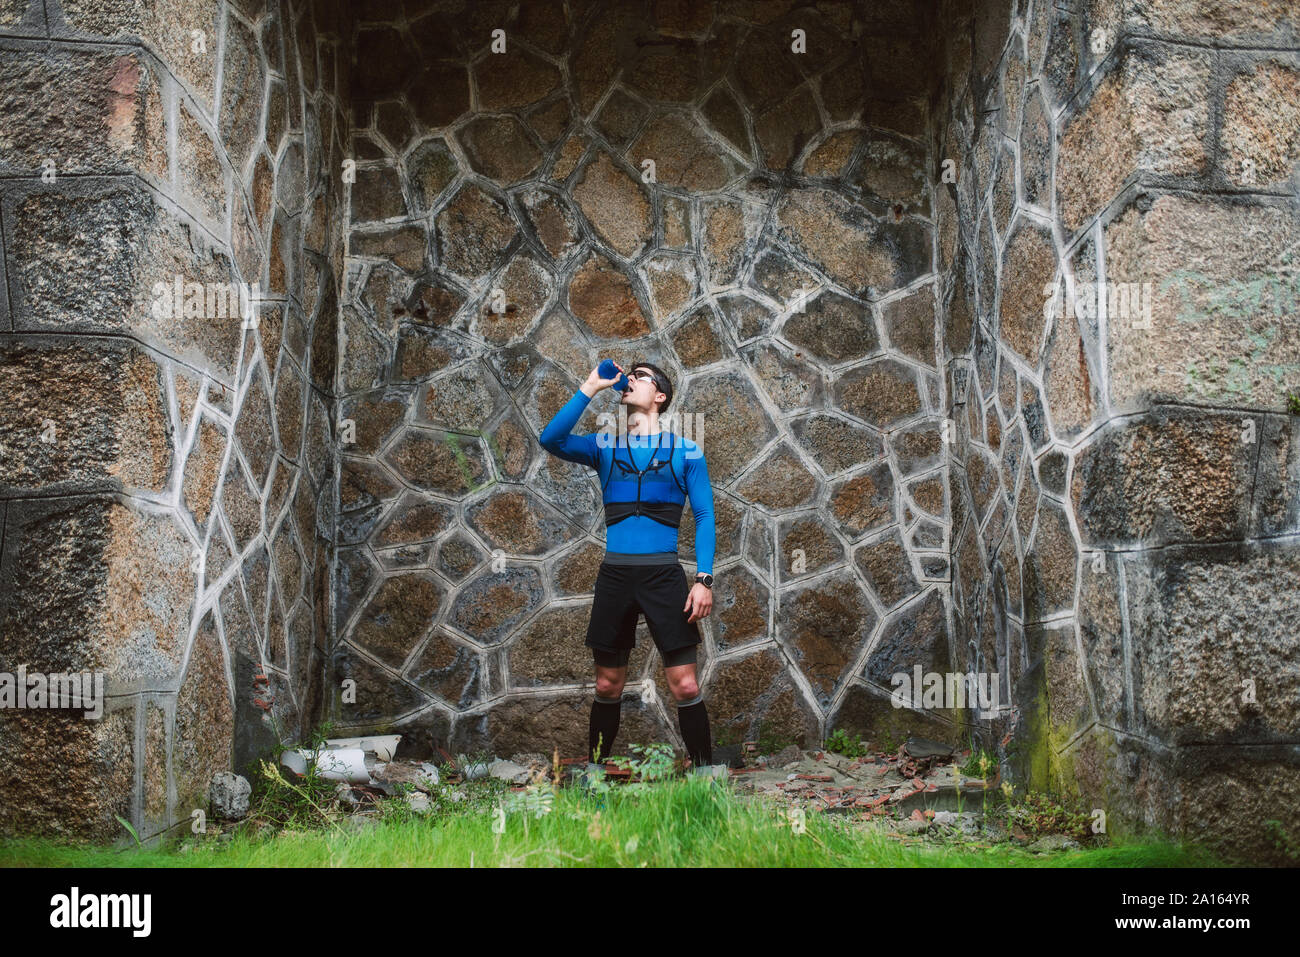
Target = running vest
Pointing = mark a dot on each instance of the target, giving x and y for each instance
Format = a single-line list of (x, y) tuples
[(652, 496), (654, 491)]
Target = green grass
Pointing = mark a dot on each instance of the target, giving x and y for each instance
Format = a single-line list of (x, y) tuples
[(680, 823)]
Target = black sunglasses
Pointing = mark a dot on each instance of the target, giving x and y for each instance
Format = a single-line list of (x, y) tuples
[(644, 374)]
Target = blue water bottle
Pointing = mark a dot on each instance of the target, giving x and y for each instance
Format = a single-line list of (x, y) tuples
[(607, 369)]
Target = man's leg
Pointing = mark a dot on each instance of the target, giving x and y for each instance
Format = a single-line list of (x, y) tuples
[(611, 675), (611, 635), (692, 718)]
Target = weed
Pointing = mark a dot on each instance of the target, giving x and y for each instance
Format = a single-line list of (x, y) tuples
[(769, 740), (293, 801), (980, 764), (536, 799), (397, 809), (1038, 814), (840, 743), (654, 764), (319, 735), (1281, 840), (304, 804), (1292, 402), (129, 829)]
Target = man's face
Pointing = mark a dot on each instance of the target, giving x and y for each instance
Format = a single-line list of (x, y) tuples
[(641, 389)]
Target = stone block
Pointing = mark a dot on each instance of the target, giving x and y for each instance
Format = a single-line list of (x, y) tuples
[(883, 393), (490, 605), (807, 544), (513, 79), (473, 230), (603, 297), (517, 522), (785, 129), (1219, 278), (500, 148), (91, 585), (864, 502), (380, 694), (824, 624), (859, 253), (85, 414), (754, 697), (1073, 394), (696, 341), (868, 712), (203, 731), (781, 481), (65, 777), (916, 634), (1213, 635), (615, 204), (741, 609), (892, 174), (377, 195), (1101, 635), (1050, 564), (834, 329), (1150, 114), (551, 650), (243, 79), (101, 256), (886, 565), (735, 412), (397, 617), (1234, 22), (1261, 114), (909, 324), (553, 221), (1029, 267), (1174, 475), (167, 29), (449, 670), (527, 286), (684, 156), (836, 444), (110, 109)]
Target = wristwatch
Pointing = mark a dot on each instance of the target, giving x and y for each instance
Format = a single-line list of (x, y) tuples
[(705, 579)]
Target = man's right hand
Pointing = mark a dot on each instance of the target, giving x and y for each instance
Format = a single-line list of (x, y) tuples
[(595, 383)]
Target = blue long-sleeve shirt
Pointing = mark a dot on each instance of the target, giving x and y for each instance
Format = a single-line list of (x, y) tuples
[(617, 465)]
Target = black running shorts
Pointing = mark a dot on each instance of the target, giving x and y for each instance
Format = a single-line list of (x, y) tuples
[(624, 592)]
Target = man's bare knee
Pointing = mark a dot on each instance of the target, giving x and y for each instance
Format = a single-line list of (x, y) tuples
[(683, 686), (610, 681)]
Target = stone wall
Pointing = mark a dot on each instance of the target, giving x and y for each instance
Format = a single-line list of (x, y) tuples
[(166, 484), (1124, 477), (467, 554), (870, 268)]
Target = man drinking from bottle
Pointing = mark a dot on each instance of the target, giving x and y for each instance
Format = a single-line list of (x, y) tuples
[(645, 477)]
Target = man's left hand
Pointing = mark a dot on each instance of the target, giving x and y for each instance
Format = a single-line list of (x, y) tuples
[(699, 602)]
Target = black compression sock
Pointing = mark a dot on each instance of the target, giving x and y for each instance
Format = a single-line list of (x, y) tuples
[(604, 725), (693, 719)]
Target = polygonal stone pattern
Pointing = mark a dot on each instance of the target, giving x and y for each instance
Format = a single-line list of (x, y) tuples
[(665, 189), (1114, 448), (953, 411), (208, 560)]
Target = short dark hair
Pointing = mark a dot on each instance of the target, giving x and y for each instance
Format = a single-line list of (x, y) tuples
[(662, 382)]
